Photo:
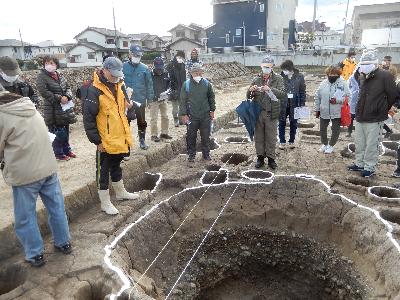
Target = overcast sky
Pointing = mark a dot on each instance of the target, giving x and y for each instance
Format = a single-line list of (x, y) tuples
[(53, 20)]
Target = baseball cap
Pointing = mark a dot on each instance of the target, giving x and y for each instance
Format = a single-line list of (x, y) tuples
[(114, 65), (158, 63), (136, 50), (9, 66)]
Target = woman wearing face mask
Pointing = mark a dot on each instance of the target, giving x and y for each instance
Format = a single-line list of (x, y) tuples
[(329, 99), (55, 91)]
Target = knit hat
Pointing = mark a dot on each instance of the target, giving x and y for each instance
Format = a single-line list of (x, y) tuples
[(196, 67), (114, 65), (368, 57), (268, 60), (9, 66), (136, 50), (158, 63)]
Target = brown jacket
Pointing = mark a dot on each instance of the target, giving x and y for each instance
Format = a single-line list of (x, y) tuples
[(377, 95)]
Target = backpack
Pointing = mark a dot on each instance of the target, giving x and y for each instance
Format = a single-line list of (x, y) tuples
[(187, 84)]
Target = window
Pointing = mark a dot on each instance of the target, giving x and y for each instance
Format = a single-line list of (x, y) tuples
[(261, 7), (332, 38), (227, 38), (260, 35), (91, 55), (238, 32), (180, 33), (125, 44), (319, 38), (110, 41)]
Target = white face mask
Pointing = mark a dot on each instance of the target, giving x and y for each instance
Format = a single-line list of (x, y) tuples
[(266, 70), (366, 69), (135, 59), (179, 60), (9, 79), (50, 68), (197, 78), (286, 72)]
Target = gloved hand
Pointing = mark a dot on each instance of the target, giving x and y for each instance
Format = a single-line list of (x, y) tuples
[(317, 114)]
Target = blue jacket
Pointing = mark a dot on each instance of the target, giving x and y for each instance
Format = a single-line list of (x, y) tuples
[(354, 91), (138, 77)]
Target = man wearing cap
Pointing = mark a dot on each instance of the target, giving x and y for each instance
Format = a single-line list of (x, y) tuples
[(29, 166), (161, 84), (177, 73), (11, 81), (197, 107), (138, 78), (268, 90), (194, 58), (107, 127), (376, 96)]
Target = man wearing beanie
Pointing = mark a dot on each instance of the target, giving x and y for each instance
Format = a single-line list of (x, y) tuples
[(177, 73), (268, 91), (377, 95)]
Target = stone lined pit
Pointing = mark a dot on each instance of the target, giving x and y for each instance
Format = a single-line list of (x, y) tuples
[(311, 132), (258, 175), (214, 177), (234, 158), (237, 140), (391, 215), (147, 182), (305, 125)]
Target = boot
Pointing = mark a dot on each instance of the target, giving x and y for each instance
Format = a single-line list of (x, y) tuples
[(272, 163), (142, 138), (106, 204), (260, 161), (121, 193)]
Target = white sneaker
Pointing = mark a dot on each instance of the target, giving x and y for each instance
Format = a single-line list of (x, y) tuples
[(329, 149), (121, 193), (282, 146), (323, 148), (106, 204)]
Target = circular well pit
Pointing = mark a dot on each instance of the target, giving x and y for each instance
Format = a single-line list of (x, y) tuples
[(237, 140), (11, 277), (234, 158), (391, 215), (214, 177), (257, 175), (391, 145), (385, 193)]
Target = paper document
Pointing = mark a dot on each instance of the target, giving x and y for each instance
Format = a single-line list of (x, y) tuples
[(302, 113), (68, 105), (52, 136)]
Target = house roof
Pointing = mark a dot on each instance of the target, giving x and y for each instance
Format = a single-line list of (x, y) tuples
[(216, 2), (89, 45), (138, 36), (12, 43), (103, 31), (183, 39), (188, 27)]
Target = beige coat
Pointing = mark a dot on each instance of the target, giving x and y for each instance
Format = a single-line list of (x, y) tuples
[(25, 146)]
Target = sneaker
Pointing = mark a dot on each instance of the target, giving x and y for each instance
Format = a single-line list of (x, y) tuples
[(292, 146), (155, 138), (191, 159), (328, 149), (282, 146), (126, 158), (323, 148), (355, 168), (165, 136), (66, 249), (63, 158), (396, 173), (367, 173), (71, 154), (272, 164), (37, 261)]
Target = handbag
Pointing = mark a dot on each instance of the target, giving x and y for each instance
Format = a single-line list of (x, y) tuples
[(302, 112), (345, 115)]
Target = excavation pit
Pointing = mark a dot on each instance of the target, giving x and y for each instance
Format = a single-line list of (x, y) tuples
[(391, 215), (395, 137), (237, 140), (286, 239), (214, 177), (213, 167), (213, 146), (234, 158), (11, 277), (351, 147), (233, 124), (305, 125), (147, 182), (390, 145), (311, 132), (384, 193), (257, 175), (364, 182)]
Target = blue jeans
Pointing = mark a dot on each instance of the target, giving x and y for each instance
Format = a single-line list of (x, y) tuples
[(26, 226)]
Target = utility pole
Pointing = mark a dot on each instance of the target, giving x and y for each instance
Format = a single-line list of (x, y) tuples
[(345, 22), (115, 34), (22, 43), (244, 44), (314, 16)]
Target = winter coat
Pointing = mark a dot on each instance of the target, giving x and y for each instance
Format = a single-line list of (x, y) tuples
[(161, 83), (348, 68), (354, 92), (263, 99), (25, 146), (138, 78), (297, 87), (177, 74), (378, 93), (52, 90), (198, 101), (325, 92), (21, 88), (104, 116)]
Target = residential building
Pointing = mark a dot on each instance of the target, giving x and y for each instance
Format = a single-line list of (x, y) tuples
[(255, 24), (375, 16), (186, 38), (149, 42), (17, 49), (49, 48), (327, 38)]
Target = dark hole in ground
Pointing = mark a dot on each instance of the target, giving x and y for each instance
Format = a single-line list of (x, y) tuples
[(305, 125), (11, 277), (351, 147), (395, 137), (385, 192), (233, 124), (237, 140), (213, 168), (391, 215), (359, 181), (234, 158), (215, 177), (258, 174), (213, 145), (390, 145), (147, 182), (311, 132), (390, 153)]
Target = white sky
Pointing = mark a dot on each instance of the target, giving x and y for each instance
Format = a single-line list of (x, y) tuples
[(61, 21)]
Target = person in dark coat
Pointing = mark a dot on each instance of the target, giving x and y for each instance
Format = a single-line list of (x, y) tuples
[(55, 90), (296, 97), (177, 73)]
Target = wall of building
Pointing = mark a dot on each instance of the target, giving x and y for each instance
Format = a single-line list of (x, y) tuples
[(278, 16), (328, 38), (185, 46), (16, 52), (83, 52)]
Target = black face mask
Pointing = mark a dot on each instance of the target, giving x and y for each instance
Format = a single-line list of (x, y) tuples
[(332, 79)]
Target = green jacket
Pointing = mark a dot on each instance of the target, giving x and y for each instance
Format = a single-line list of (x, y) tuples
[(199, 101), (277, 87)]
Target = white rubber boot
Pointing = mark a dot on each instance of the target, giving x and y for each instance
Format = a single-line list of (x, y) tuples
[(106, 204), (121, 193)]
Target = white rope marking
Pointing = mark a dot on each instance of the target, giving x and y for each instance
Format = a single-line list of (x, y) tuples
[(203, 240)]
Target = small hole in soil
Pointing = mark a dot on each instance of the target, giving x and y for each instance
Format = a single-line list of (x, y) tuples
[(147, 182), (213, 145), (234, 158), (390, 145), (385, 192), (391, 215), (351, 147), (213, 168), (306, 125), (234, 124), (359, 181), (237, 140), (214, 177), (395, 137), (11, 277), (311, 132), (258, 174)]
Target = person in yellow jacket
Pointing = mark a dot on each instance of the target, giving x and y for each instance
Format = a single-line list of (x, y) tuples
[(348, 65), (106, 126)]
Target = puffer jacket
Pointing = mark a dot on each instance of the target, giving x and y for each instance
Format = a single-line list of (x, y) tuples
[(25, 146), (161, 83), (138, 78), (21, 88), (52, 90), (297, 87), (354, 86), (104, 116), (277, 87), (325, 92), (348, 68), (177, 74)]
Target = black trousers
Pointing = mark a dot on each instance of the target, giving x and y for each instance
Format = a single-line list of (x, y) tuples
[(108, 165), (324, 131), (191, 137), (141, 119)]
